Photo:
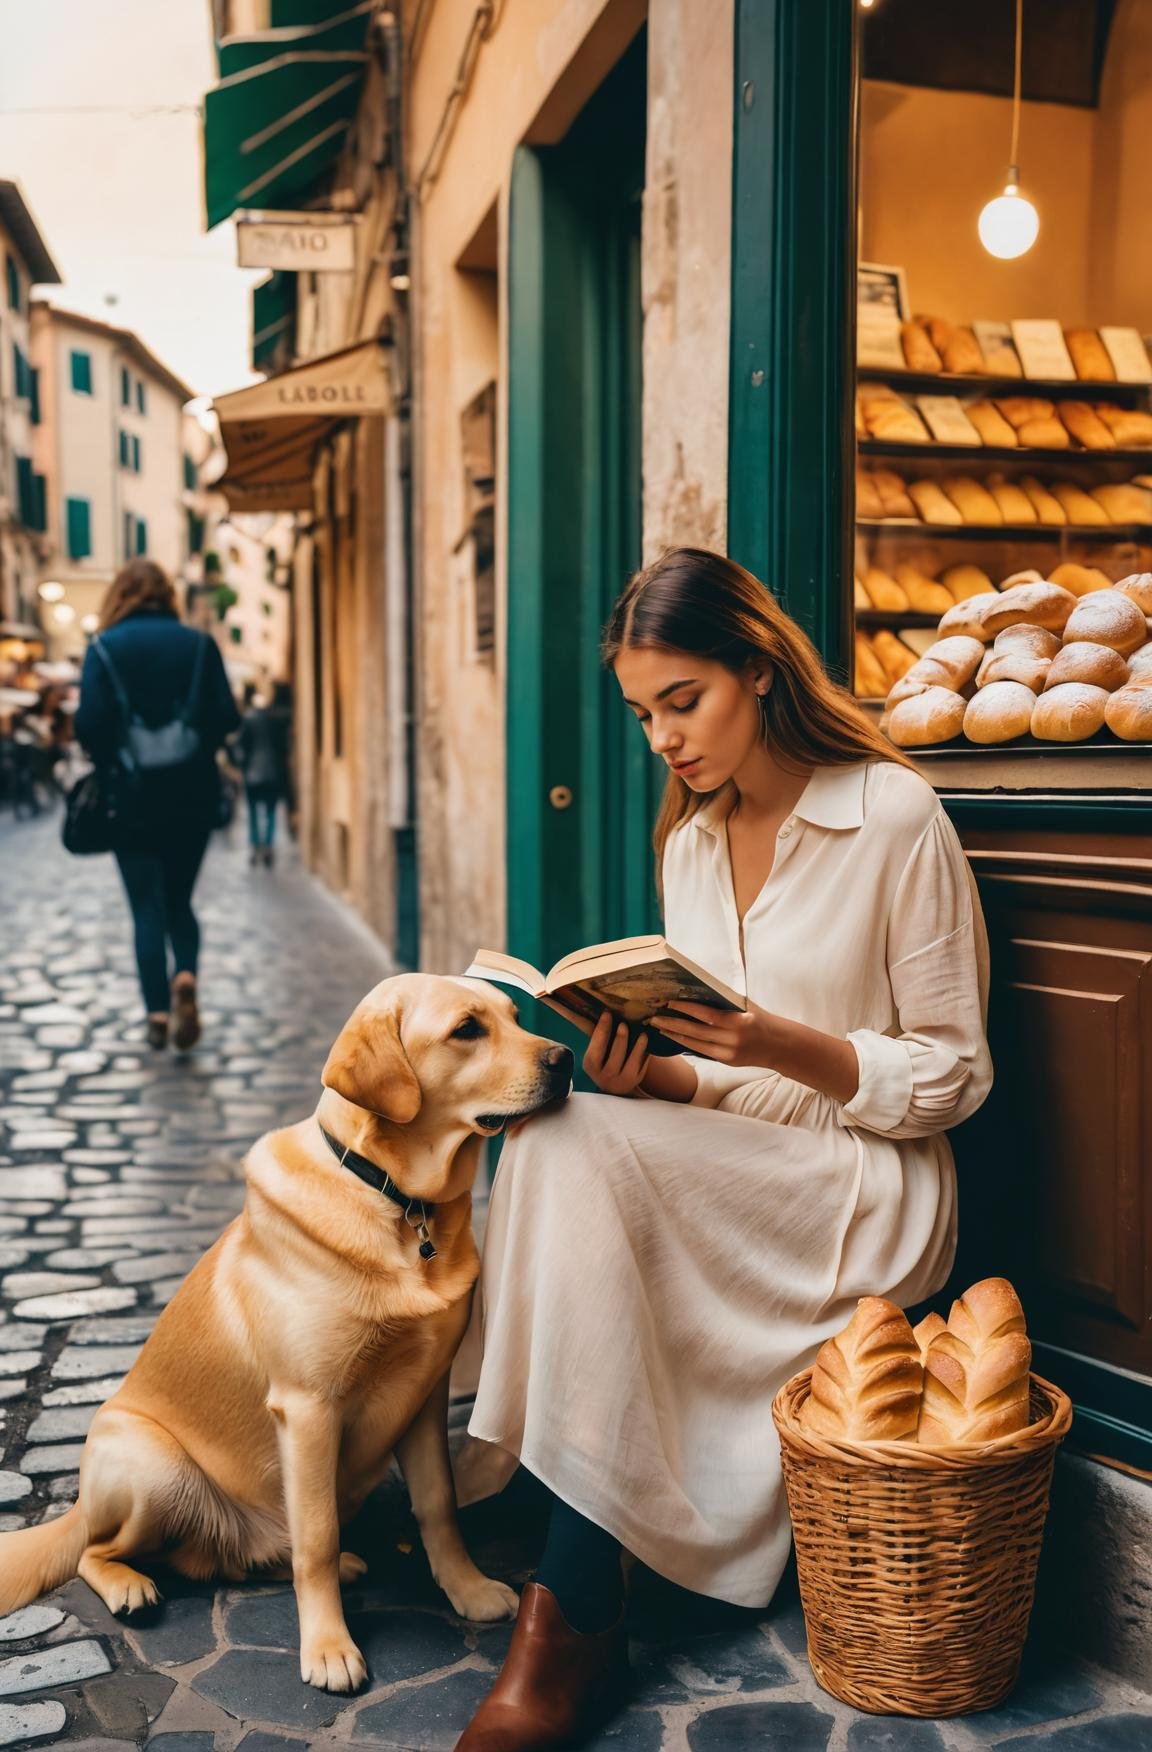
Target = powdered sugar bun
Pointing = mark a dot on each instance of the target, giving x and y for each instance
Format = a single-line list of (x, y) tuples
[(1098, 665), (1128, 713), (1107, 617), (1035, 641), (1139, 588), (999, 712), (1069, 713), (1140, 662), (936, 715), (1041, 605), (965, 620)]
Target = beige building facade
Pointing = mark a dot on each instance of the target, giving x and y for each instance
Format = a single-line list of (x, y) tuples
[(24, 262)]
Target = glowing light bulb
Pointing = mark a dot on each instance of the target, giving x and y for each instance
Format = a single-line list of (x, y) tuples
[(1009, 225), (89, 622), (64, 614), (51, 591)]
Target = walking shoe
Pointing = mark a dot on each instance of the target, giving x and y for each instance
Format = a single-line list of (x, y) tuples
[(157, 1033), (186, 1027), (556, 1687), (269, 857)]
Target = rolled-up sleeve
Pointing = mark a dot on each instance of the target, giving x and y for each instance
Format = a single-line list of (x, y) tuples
[(933, 1069), (715, 1080)]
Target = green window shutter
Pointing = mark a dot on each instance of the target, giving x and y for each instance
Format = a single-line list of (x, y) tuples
[(34, 393), (125, 387), (128, 535), (21, 373), (40, 507), (141, 397), (123, 437), (135, 454), (141, 536), (81, 372), (195, 533), (190, 481), (12, 274), (25, 492), (79, 517)]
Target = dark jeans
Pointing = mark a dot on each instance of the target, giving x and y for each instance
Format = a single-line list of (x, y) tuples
[(159, 887), (262, 800)]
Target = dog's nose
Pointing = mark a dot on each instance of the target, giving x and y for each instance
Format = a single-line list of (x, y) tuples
[(558, 1059)]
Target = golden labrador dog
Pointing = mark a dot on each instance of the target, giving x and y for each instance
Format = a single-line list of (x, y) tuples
[(314, 1339)]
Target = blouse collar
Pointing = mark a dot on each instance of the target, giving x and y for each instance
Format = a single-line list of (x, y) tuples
[(833, 797)]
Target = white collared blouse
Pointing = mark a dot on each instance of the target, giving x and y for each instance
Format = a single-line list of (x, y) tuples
[(868, 927)]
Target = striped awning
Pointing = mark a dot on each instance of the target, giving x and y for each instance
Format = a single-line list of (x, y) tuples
[(277, 120)]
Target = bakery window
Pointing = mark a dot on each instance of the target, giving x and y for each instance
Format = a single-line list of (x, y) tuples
[(1003, 409)]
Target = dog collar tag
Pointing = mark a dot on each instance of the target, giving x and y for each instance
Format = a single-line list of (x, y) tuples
[(427, 1247), (418, 1222)]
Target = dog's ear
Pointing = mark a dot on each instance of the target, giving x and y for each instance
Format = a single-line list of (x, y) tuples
[(369, 1067)]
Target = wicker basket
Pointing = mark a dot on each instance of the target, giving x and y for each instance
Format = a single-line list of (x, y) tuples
[(917, 1565)]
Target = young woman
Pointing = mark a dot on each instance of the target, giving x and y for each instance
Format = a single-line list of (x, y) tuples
[(654, 1269), (144, 664)]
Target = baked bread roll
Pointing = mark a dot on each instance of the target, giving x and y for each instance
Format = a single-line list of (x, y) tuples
[(1069, 713), (965, 581), (927, 1329), (999, 712), (894, 657), (1044, 434), (1019, 409), (1125, 503), (1079, 506), (1001, 359), (1129, 426), (1128, 713), (991, 424), (1080, 580), (936, 715), (886, 416), (919, 353), (860, 597), (1098, 665), (949, 663), (1140, 662), (884, 592), (1107, 617), (866, 1381), (973, 501), (1028, 576), (894, 500), (1138, 585), (1041, 605), (966, 619), (867, 497), (923, 593), (871, 681), (1047, 508), (1090, 356), (1012, 501), (1024, 667), (1032, 641), (861, 423), (932, 504), (958, 347), (1086, 426), (976, 1371)]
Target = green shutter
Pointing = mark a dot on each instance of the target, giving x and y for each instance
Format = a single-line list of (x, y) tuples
[(141, 536), (81, 372), (195, 533), (79, 518), (273, 321), (125, 387), (26, 492), (12, 273), (34, 393), (123, 438), (128, 535), (141, 397), (40, 516), (135, 454), (190, 474)]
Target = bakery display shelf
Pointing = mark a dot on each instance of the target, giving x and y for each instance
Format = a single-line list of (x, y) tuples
[(1000, 452), (895, 618), (930, 382), (1108, 532)]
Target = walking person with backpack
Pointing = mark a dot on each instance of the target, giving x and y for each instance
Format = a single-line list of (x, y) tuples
[(261, 752), (155, 705)]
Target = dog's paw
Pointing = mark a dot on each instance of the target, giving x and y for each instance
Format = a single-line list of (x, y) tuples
[(333, 1664), (483, 1600), (351, 1568), (125, 1597)]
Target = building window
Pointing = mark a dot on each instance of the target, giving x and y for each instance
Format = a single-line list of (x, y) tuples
[(21, 373), (128, 535), (34, 394), (195, 533), (12, 274), (141, 536), (135, 454), (79, 517), (81, 372), (190, 480), (141, 397), (125, 387), (125, 452)]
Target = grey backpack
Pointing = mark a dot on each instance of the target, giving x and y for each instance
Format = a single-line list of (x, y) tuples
[(144, 749)]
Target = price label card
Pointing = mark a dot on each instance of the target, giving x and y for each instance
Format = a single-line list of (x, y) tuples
[(995, 340), (878, 338), (1043, 352), (1128, 354), (947, 421)]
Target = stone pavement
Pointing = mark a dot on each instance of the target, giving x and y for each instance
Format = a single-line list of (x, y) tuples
[(117, 1168)]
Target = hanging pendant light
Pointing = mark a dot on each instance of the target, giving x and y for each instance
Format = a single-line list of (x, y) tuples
[(1009, 225)]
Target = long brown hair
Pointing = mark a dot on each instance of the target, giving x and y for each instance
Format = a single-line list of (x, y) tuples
[(696, 601), (140, 587)]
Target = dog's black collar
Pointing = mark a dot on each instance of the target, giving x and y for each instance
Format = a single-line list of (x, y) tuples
[(417, 1211)]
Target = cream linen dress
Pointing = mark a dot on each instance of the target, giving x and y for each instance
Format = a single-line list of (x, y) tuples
[(654, 1271)]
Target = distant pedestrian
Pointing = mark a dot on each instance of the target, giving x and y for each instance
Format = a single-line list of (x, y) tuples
[(155, 700), (261, 751)]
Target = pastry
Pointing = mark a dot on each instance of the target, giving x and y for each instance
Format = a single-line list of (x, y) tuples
[(1098, 665), (923, 593), (1090, 356), (1001, 358), (1128, 713), (1012, 501), (1086, 426), (1047, 508), (861, 424), (1018, 409), (1107, 617), (1079, 506), (884, 592), (927, 1329), (958, 347), (1129, 426), (867, 498), (1070, 713), (1080, 580), (866, 1381), (991, 424), (1041, 605), (1140, 662), (932, 504), (966, 619), (893, 420), (965, 581), (1125, 503), (919, 353), (1028, 576), (894, 500), (871, 682), (1026, 667), (860, 597), (936, 715), (949, 663), (1021, 636), (1047, 433), (976, 1372), (894, 657), (999, 712), (973, 501), (1139, 587)]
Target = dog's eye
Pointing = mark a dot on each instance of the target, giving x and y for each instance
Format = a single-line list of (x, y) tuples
[(470, 1029)]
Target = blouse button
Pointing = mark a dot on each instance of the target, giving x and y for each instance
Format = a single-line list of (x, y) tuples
[(785, 830)]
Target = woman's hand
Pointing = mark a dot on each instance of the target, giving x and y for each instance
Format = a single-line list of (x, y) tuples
[(732, 1037), (612, 1066)]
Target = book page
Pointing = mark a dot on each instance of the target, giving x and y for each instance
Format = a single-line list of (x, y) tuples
[(635, 994)]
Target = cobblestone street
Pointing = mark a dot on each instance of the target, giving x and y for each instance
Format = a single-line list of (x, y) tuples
[(117, 1168)]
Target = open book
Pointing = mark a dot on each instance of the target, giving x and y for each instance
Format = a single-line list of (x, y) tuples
[(633, 977)]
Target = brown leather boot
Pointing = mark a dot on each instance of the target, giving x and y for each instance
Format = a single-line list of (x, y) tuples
[(555, 1687)]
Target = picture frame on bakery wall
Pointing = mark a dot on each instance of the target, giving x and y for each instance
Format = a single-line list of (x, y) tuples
[(881, 306)]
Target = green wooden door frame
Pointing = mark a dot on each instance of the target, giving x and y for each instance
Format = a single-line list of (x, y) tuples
[(791, 441)]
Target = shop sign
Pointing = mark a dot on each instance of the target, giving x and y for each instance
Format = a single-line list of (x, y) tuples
[(1043, 352), (297, 243), (1128, 354), (947, 421)]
